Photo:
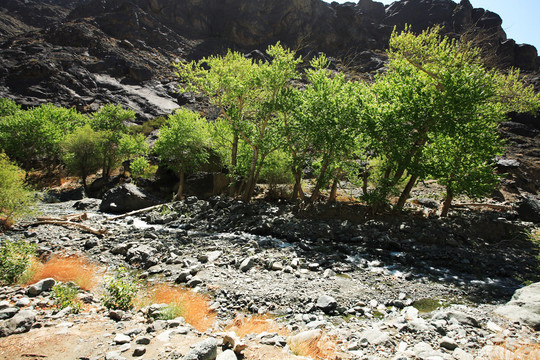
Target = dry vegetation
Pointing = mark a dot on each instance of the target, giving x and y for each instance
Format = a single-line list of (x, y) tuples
[(73, 268), (320, 348), (193, 307), (244, 325), (521, 352)]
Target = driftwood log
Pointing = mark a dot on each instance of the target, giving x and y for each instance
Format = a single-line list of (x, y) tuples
[(67, 221)]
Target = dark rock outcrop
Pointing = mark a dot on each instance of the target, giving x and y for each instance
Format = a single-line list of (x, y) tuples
[(86, 53), (126, 198)]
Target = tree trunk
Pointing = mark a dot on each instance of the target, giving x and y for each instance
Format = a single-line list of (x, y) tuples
[(405, 193), (248, 192), (317, 190), (333, 192), (365, 177), (234, 152), (297, 191), (179, 195), (447, 200)]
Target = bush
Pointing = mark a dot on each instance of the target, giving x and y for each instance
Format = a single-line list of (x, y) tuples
[(82, 152), (139, 166), (64, 296), (16, 199), (15, 258), (8, 107), (37, 133), (120, 290)]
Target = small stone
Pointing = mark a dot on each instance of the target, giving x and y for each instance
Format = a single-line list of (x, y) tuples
[(448, 343), (195, 281), (227, 355), (22, 302), (121, 339), (326, 303), (139, 351), (374, 336), (145, 340), (247, 264)]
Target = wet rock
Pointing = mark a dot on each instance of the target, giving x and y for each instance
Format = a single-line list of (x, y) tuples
[(20, 323)]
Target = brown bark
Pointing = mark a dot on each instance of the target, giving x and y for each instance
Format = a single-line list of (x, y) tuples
[(447, 201), (317, 190), (405, 193), (333, 192), (179, 195)]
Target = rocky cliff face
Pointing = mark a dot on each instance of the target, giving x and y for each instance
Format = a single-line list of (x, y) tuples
[(87, 52)]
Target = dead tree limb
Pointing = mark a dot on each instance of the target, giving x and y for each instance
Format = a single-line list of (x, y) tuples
[(98, 232), (131, 213)]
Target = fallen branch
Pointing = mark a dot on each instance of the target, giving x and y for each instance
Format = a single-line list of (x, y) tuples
[(74, 217), (491, 206), (136, 212), (98, 232)]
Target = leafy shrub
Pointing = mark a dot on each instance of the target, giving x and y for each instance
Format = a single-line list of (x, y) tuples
[(64, 296), (8, 107), (120, 291), (37, 132), (16, 199), (15, 257), (139, 166), (82, 152)]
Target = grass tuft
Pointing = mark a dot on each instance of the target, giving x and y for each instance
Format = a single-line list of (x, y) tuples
[(193, 307), (65, 269), (244, 325)]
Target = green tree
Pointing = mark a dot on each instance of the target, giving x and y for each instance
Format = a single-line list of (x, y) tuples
[(82, 152), (16, 198), (183, 144), (438, 96), (326, 124), (134, 148), (36, 133), (110, 121), (250, 96)]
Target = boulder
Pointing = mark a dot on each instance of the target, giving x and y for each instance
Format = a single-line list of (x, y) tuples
[(525, 57), (20, 323), (203, 350), (524, 306), (529, 209), (326, 303), (40, 286), (126, 198)]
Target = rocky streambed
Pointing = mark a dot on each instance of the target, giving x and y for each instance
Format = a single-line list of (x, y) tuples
[(382, 288)]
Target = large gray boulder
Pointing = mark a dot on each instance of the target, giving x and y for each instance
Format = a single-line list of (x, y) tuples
[(20, 323), (204, 350), (126, 198), (524, 306)]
